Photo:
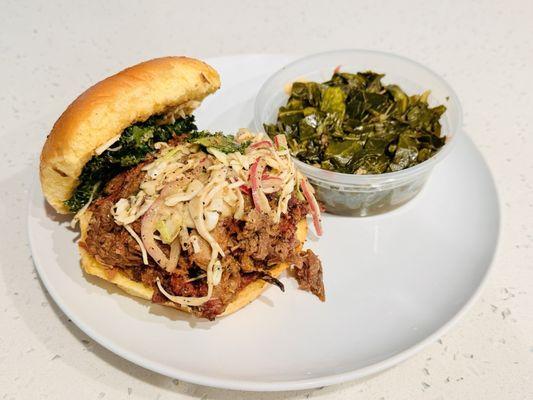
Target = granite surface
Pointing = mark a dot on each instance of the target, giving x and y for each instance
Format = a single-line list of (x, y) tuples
[(51, 51)]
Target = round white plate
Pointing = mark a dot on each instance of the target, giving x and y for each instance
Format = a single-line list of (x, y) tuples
[(394, 282)]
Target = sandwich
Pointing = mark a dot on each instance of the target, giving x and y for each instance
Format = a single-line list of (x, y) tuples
[(199, 221)]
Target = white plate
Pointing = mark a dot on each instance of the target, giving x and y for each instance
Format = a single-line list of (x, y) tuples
[(394, 282)]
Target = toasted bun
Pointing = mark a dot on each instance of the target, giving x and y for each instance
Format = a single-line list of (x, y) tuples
[(138, 289), (106, 109)]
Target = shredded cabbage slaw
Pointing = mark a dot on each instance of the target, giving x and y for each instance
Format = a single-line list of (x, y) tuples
[(186, 188)]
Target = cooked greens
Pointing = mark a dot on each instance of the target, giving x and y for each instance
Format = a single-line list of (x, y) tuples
[(133, 146), (355, 124), (224, 143)]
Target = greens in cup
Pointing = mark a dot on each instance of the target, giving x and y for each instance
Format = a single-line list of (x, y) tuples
[(356, 124)]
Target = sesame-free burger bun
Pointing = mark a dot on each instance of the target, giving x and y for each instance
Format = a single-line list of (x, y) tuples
[(103, 111)]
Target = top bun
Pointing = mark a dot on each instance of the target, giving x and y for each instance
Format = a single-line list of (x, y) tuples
[(103, 111)]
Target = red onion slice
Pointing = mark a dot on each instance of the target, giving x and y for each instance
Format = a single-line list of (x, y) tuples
[(315, 209), (280, 141), (263, 144), (259, 198)]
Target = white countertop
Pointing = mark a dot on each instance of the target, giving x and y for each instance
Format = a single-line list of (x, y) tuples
[(52, 52)]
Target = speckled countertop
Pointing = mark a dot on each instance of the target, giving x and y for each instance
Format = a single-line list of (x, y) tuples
[(52, 52)]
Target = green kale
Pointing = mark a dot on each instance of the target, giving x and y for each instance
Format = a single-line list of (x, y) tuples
[(135, 143), (355, 124), (224, 143)]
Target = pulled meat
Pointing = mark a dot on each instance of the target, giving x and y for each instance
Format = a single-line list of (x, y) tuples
[(308, 272), (252, 248), (108, 242)]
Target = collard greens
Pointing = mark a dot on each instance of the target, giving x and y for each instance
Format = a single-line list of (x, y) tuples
[(355, 124)]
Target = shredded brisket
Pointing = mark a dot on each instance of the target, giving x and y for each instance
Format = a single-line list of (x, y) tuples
[(308, 272), (251, 247)]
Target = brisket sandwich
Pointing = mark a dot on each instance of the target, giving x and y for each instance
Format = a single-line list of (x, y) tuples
[(198, 221)]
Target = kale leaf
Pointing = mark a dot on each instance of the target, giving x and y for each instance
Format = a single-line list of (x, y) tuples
[(224, 143), (135, 143)]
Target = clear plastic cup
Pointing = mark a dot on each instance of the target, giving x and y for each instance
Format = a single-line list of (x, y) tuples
[(362, 195)]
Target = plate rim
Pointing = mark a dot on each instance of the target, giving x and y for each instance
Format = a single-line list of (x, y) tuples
[(258, 385)]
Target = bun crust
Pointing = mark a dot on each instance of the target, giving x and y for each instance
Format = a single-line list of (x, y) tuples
[(103, 111), (92, 267)]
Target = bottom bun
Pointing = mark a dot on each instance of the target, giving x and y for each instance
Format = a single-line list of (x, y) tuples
[(138, 289)]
